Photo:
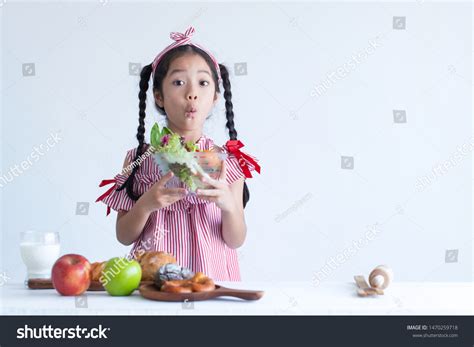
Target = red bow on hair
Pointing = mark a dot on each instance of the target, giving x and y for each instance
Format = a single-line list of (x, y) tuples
[(234, 146), (107, 193)]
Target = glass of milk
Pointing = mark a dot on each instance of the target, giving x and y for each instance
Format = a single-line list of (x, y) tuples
[(39, 251)]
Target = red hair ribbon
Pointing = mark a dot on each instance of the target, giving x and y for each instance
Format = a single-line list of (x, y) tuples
[(108, 192), (234, 146)]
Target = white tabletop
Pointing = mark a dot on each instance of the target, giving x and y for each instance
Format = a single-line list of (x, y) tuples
[(281, 298)]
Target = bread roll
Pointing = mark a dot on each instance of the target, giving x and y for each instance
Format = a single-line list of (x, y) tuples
[(151, 263), (96, 270)]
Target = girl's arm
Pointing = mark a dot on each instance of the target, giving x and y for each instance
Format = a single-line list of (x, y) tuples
[(130, 223), (228, 197), (234, 229)]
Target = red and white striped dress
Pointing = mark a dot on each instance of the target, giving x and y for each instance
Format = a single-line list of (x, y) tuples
[(190, 229)]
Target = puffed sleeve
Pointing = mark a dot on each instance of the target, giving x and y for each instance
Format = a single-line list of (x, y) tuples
[(116, 199), (234, 169)]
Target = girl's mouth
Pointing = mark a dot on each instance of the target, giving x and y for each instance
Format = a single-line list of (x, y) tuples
[(191, 114)]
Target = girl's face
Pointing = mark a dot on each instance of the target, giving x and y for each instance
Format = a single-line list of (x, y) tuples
[(189, 93)]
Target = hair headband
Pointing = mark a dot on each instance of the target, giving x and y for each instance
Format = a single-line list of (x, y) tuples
[(180, 40)]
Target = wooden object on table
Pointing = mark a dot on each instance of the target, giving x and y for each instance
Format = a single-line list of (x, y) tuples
[(364, 288), (381, 277), (150, 291), (46, 283)]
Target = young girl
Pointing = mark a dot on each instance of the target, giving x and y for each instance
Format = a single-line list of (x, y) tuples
[(201, 230)]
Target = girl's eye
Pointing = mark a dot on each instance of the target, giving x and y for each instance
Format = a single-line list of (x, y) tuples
[(180, 83)]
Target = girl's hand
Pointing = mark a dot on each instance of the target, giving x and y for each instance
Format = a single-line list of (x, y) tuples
[(220, 192), (158, 196)]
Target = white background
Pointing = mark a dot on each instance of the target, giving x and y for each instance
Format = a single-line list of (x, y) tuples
[(304, 208)]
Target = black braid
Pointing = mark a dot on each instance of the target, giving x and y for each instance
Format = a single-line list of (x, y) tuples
[(144, 79), (229, 113)]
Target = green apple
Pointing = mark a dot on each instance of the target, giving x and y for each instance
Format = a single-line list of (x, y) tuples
[(121, 276)]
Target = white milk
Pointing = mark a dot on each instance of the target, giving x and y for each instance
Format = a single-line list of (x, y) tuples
[(39, 258)]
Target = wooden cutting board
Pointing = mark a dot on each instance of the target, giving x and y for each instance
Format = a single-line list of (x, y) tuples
[(149, 291), (95, 286)]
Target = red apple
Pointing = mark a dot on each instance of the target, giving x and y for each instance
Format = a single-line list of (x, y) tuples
[(71, 274)]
